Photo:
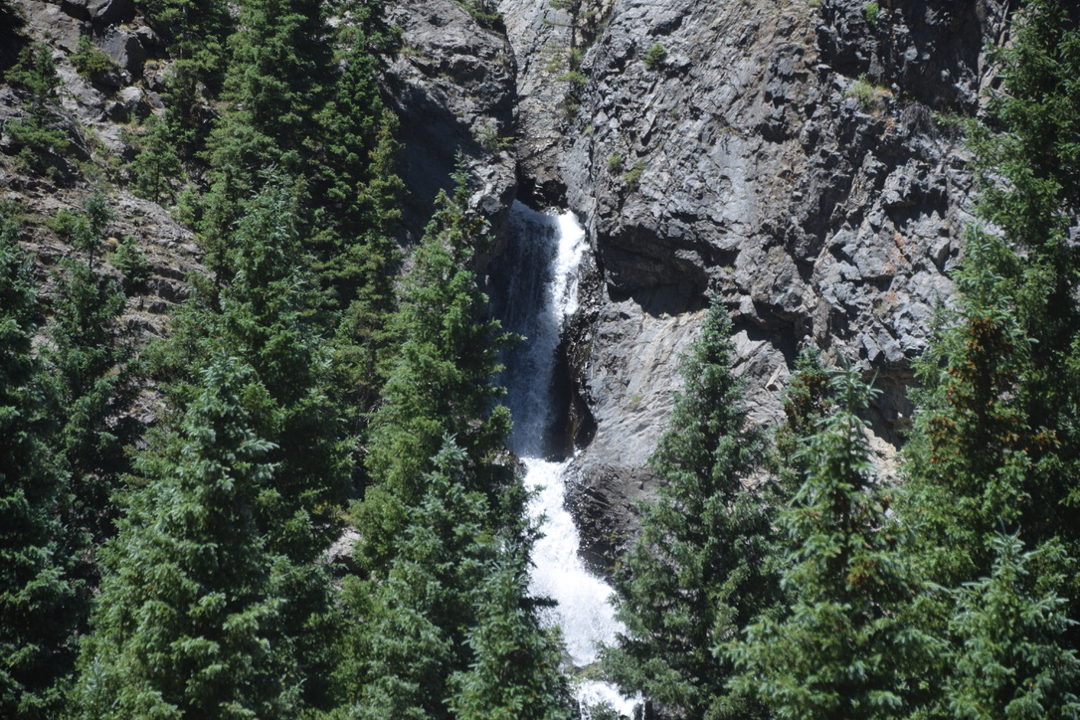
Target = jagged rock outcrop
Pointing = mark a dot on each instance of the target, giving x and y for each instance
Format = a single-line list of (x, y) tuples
[(799, 160)]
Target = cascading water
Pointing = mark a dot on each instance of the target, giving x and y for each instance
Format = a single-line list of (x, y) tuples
[(540, 292)]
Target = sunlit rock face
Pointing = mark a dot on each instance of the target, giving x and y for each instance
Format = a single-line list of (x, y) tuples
[(801, 161)]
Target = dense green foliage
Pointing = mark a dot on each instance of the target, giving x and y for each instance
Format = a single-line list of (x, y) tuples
[(1008, 657), (995, 447), (90, 364), (189, 622), (37, 598), (843, 647)]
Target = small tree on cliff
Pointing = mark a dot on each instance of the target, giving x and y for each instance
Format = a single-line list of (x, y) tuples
[(698, 574)]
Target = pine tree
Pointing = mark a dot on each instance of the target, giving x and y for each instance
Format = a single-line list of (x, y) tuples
[(39, 141), (279, 61), (698, 574), (196, 32), (89, 360), (363, 274), (38, 607), (969, 457), (515, 668), (446, 629), (844, 649), (188, 623), (422, 602), (353, 122), (807, 399), (265, 316), (996, 445), (443, 524)]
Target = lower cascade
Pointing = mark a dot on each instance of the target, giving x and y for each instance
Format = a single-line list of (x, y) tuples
[(539, 293)]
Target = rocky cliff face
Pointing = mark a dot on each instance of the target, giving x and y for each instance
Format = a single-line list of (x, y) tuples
[(799, 159), (796, 157)]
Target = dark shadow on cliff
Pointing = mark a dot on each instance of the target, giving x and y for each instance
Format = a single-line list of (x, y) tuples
[(11, 42)]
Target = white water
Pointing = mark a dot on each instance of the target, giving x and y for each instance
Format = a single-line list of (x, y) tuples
[(544, 255)]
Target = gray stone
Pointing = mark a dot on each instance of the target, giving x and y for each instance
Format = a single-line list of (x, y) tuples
[(110, 12), (125, 49), (815, 220), (456, 89), (101, 12)]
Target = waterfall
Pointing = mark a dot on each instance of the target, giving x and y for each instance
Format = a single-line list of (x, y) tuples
[(539, 293)]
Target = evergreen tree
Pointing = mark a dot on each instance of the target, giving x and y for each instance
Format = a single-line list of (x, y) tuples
[(265, 317), (440, 382), (279, 60), (419, 606), (1007, 656), (89, 363), (442, 527), (157, 166), (996, 445), (196, 32), (37, 599), (515, 668), (39, 141), (845, 648), (807, 399), (188, 623), (969, 457), (446, 630), (698, 573), (363, 273), (352, 123)]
